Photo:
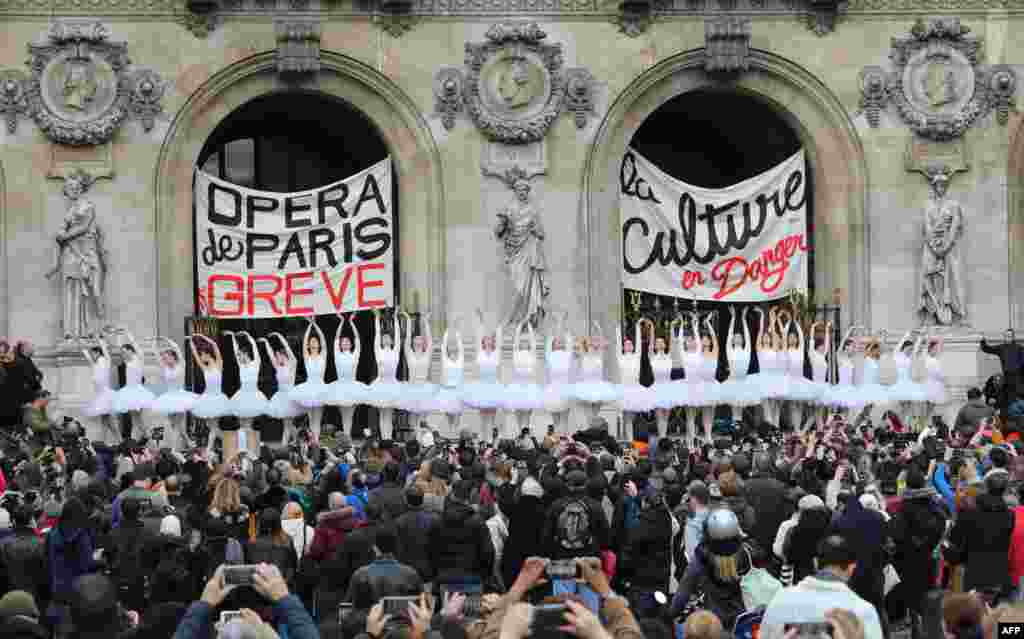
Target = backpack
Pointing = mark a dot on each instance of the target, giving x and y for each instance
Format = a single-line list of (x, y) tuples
[(572, 527)]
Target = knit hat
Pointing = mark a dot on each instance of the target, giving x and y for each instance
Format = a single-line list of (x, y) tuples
[(18, 602), (808, 502), (5, 519)]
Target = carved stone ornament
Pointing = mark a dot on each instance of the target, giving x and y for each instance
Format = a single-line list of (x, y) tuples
[(448, 88), (873, 93), (824, 15), (726, 45), (579, 95), (938, 84), (79, 91), (13, 97), (298, 46), (200, 17), (634, 17), (514, 84)]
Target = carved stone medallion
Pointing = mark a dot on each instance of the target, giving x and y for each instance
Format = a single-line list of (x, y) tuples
[(79, 91), (514, 85)]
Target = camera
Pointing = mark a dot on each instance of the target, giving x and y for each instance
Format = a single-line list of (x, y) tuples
[(562, 569), (239, 575)]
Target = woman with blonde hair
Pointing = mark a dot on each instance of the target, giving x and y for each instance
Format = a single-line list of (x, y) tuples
[(227, 516)]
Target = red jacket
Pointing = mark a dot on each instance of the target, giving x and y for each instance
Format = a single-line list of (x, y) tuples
[(1016, 556), (331, 528)]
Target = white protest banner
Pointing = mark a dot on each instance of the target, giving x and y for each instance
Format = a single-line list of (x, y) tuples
[(264, 254), (744, 243)]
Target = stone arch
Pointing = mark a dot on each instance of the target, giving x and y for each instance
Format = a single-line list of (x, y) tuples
[(414, 154), (834, 152), (1015, 224)]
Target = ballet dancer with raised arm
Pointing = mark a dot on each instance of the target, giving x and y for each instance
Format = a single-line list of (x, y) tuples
[(771, 360), (906, 392), (345, 392), (177, 401), (871, 393), (282, 406), (249, 402), (523, 395), (102, 405), (842, 396), (739, 390), (133, 397), (385, 392), (449, 397), (591, 390), (635, 397), (799, 391), (819, 356), (936, 393), (559, 363), (418, 391), (312, 394), (711, 387), (665, 396), (689, 342), (212, 404), (486, 393)]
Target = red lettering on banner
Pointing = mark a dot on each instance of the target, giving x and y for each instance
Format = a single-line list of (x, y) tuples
[(691, 279), (238, 296), (290, 293), (769, 268), (363, 284), (267, 296), (337, 297)]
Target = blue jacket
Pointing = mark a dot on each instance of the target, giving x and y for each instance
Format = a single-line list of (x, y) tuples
[(198, 621), (941, 483), (358, 500)]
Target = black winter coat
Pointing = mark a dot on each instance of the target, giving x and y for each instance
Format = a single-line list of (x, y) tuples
[(413, 532), (524, 536), (598, 529), (983, 535), (24, 563), (460, 545), (768, 497), (647, 556), (391, 499), (916, 530)]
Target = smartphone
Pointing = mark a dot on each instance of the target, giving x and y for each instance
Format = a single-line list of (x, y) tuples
[(562, 569), (398, 606), (228, 615), (548, 617), (239, 575), (810, 630)]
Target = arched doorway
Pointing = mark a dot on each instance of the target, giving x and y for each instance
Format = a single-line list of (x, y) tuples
[(787, 95)]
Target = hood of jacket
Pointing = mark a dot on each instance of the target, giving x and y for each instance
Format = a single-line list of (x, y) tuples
[(341, 519)]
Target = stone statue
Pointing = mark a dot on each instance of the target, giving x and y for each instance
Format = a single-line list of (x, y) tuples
[(939, 85), (514, 85), (79, 86), (942, 293), (522, 236), (81, 260)]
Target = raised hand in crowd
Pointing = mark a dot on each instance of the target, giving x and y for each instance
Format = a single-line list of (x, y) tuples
[(582, 623)]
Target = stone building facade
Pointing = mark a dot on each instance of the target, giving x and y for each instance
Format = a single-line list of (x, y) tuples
[(840, 74)]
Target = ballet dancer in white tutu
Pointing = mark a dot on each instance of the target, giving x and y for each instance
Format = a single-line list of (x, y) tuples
[(739, 390), (449, 397), (820, 357), (102, 405), (313, 393), (842, 396), (385, 392), (133, 397), (691, 388), (282, 406), (800, 392), (591, 390), (665, 392), (345, 392), (176, 402), (870, 392), (523, 395), (635, 397), (249, 402), (771, 376), (559, 363), (419, 350), (936, 393), (906, 393), (710, 387), (486, 393), (212, 404)]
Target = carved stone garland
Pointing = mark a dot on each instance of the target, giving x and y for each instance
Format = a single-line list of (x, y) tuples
[(79, 91), (938, 84)]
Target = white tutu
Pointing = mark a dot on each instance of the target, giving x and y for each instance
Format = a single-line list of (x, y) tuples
[(416, 396), (595, 392), (638, 399), (447, 400), (131, 398), (821, 392), (282, 406), (800, 389), (174, 402), (102, 404), (843, 396), (705, 393), (385, 394), (483, 395), (557, 397), (670, 394), (741, 392), (249, 404), (773, 385), (873, 394), (344, 392), (309, 394), (523, 397), (211, 406), (907, 391), (935, 391)]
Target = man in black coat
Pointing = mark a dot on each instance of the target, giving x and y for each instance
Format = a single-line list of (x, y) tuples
[(981, 538), (575, 526), (460, 545), (413, 529), (389, 495), (384, 576), (768, 497), (127, 555), (1011, 356)]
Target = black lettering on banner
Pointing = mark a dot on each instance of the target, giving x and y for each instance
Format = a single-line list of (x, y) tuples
[(735, 239), (633, 185), (323, 202), (363, 237), (292, 206), (371, 191), (346, 242), (294, 246), (258, 204), (215, 216), (259, 243), (220, 249), (321, 240)]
